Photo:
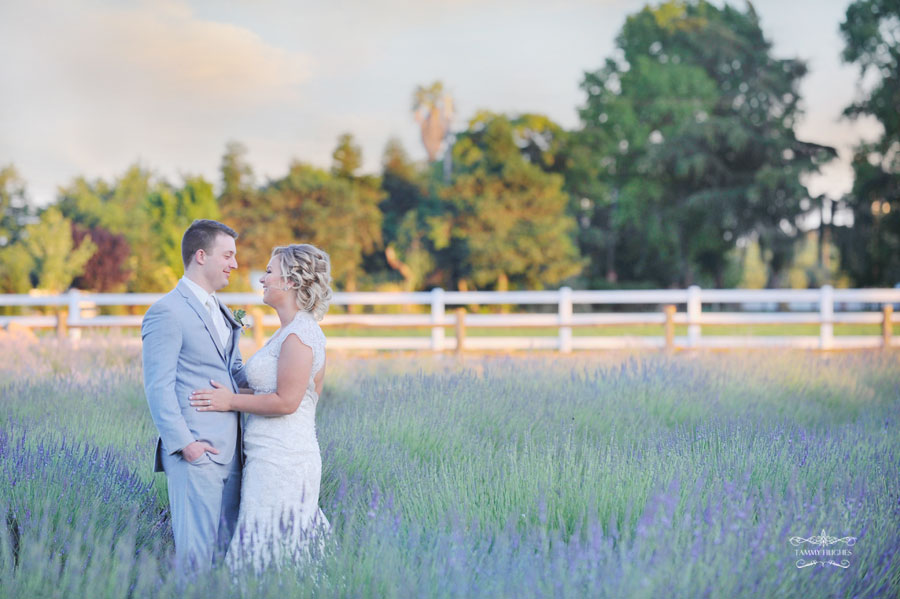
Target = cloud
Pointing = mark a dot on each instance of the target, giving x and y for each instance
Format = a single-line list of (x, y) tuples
[(113, 83), (163, 53)]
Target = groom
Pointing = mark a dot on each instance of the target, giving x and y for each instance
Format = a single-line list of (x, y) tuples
[(188, 339)]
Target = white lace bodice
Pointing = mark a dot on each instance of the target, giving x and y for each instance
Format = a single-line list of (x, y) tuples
[(262, 367)]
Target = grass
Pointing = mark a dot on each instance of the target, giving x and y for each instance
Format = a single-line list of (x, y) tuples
[(599, 475)]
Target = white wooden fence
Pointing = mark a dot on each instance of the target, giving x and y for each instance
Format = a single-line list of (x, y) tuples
[(823, 307)]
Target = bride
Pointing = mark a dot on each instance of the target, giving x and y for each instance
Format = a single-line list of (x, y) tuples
[(279, 514)]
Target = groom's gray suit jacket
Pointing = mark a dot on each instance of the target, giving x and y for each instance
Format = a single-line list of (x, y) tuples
[(182, 351)]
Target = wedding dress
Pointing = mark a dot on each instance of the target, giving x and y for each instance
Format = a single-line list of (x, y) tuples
[(279, 518)]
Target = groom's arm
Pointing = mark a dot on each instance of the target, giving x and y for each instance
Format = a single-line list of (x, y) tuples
[(161, 337)]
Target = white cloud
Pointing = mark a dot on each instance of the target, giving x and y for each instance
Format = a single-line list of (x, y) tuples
[(96, 87)]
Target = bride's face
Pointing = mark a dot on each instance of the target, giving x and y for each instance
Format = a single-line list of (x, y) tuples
[(276, 289)]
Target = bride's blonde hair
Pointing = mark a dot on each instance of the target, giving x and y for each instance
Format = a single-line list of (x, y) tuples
[(307, 269)]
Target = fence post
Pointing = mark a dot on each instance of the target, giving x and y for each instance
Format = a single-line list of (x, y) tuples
[(62, 325), (258, 333), (565, 320), (669, 310), (437, 319), (74, 317), (826, 315), (886, 326), (460, 329), (694, 309)]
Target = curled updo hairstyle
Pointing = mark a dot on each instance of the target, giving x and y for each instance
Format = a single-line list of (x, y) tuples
[(307, 270)]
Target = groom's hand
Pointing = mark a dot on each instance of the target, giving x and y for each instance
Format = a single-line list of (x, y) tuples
[(194, 451)]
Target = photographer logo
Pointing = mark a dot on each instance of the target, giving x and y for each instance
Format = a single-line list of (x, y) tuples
[(824, 550)]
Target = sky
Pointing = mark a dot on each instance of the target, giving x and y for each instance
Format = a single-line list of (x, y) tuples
[(89, 88)]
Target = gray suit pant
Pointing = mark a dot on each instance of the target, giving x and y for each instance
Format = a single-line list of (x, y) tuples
[(204, 498)]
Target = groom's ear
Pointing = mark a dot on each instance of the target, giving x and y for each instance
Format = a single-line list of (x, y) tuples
[(200, 256)]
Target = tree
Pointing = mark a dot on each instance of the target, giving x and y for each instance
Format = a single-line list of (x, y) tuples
[(406, 208), (15, 213), (105, 271), (16, 266), (508, 214), (55, 259), (14, 208), (687, 144), (335, 211), (169, 213), (870, 250), (433, 109), (347, 157), (90, 204), (244, 209), (121, 208)]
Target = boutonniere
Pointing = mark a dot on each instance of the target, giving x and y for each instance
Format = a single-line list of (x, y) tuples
[(239, 316)]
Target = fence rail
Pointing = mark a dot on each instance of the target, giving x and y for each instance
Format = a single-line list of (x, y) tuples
[(825, 307)]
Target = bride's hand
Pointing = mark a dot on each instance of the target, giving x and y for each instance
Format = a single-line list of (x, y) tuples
[(219, 399)]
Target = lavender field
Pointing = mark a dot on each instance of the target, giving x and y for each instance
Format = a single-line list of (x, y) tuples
[(591, 476)]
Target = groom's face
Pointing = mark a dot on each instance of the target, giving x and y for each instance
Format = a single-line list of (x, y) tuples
[(220, 261)]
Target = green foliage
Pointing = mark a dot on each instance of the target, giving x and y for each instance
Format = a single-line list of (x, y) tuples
[(16, 265), (151, 214), (337, 213), (809, 270), (347, 156), (169, 212), (242, 210), (337, 210), (407, 208), (506, 213), (56, 262), (687, 145), (120, 208), (870, 250), (752, 267), (14, 207)]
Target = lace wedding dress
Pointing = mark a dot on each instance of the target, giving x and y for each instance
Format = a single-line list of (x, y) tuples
[(279, 517)]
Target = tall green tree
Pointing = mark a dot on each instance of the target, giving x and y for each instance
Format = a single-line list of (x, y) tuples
[(55, 259), (16, 264), (336, 211), (169, 213), (244, 209), (346, 157), (407, 208), (687, 144), (14, 208), (870, 250), (506, 214)]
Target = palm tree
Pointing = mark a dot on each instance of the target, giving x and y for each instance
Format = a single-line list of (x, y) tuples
[(433, 108)]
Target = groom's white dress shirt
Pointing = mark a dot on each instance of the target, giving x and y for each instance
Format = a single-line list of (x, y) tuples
[(211, 302)]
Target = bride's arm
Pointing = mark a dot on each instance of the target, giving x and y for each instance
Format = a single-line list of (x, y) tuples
[(294, 368)]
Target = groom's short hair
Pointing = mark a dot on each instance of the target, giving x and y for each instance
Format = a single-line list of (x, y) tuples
[(200, 236)]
